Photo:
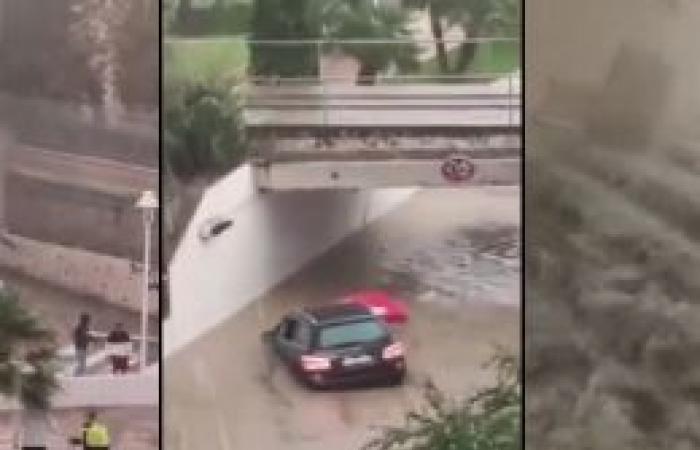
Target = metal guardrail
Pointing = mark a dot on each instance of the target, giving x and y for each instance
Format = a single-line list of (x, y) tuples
[(485, 104), (297, 42), (419, 53), (334, 62)]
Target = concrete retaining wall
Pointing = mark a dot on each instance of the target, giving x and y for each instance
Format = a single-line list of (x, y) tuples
[(273, 236), (102, 391), (74, 217), (111, 279)]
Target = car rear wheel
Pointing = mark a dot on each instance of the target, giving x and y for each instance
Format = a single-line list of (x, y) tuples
[(314, 385), (398, 379)]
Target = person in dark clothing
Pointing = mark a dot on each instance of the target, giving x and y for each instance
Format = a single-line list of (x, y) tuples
[(81, 340), (119, 341)]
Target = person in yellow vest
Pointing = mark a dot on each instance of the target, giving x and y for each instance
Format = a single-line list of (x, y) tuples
[(95, 434)]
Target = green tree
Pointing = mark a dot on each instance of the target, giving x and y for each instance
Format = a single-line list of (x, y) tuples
[(476, 18), (285, 20), (488, 420), (332, 20), (438, 11), (204, 132), (27, 353), (367, 19), (38, 58), (169, 14), (138, 49)]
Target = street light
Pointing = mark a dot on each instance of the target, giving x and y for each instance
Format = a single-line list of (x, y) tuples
[(148, 204)]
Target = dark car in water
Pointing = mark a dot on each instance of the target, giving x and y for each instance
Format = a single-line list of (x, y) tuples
[(338, 344)]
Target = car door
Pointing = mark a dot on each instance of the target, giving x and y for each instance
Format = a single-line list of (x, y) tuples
[(293, 338)]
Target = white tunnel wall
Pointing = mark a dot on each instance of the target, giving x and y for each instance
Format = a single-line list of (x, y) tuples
[(274, 234)]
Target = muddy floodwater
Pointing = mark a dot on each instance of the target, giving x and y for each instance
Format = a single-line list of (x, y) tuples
[(453, 255)]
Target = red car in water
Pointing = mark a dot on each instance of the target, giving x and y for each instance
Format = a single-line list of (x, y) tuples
[(382, 304)]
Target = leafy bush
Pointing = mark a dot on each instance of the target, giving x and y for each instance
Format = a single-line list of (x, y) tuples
[(488, 420), (285, 20), (203, 129), (23, 342)]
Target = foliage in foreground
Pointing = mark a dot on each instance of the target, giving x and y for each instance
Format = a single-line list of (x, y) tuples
[(488, 420), (203, 129), (27, 355)]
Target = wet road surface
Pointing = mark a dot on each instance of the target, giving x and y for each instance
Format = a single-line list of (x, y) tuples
[(452, 254), (131, 428)]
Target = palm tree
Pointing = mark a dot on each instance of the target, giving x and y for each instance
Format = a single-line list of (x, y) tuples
[(324, 20), (97, 30), (367, 19), (438, 11), (477, 18), (484, 18), (285, 20), (27, 354)]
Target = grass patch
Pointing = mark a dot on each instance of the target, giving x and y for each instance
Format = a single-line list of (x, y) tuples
[(491, 57), (496, 57), (204, 60)]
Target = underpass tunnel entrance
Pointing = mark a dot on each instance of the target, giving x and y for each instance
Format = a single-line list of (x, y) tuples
[(452, 254)]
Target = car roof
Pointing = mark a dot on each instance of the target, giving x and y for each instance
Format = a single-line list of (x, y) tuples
[(338, 313)]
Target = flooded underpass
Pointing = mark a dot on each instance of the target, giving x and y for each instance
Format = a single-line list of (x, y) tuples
[(453, 255)]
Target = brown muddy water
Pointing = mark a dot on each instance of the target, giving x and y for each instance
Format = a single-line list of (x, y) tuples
[(452, 254)]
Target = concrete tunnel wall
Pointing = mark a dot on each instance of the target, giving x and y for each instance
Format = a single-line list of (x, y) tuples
[(274, 234), (577, 42)]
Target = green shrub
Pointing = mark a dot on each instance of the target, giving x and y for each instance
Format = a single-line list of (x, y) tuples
[(488, 420), (204, 132), (25, 344)]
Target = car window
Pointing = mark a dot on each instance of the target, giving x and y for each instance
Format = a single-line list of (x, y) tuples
[(303, 334), (288, 331), (351, 333)]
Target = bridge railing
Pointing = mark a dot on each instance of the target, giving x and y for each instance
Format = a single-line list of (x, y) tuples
[(327, 81), (361, 61)]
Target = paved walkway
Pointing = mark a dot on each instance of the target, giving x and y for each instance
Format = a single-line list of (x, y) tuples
[(132, 428)]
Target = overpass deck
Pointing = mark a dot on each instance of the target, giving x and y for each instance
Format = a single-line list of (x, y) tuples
[(350, 137), (409, 105)]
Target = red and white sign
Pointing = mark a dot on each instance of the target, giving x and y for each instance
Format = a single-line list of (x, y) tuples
[(458, 169)]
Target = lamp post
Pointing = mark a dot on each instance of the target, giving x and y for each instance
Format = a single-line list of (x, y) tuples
[(148, 204)]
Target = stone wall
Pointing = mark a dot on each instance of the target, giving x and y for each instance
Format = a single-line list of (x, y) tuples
[(74, 217), (114, 280), (103, 391)]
